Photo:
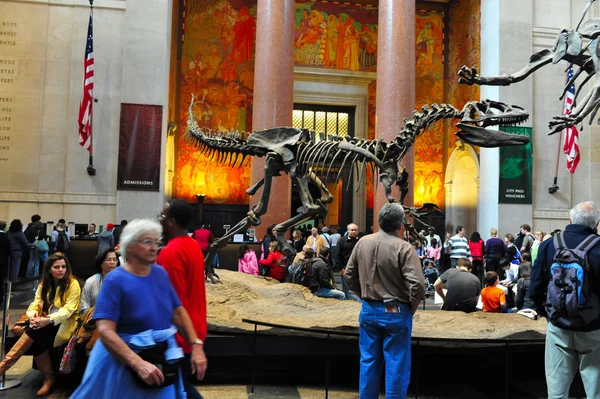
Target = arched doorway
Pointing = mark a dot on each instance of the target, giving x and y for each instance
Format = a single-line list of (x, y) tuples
[(462, 188)]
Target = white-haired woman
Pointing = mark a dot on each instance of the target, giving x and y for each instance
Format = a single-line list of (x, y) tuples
[(137, 314)]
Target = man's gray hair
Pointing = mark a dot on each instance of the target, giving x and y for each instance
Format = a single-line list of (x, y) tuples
[(585, 213), (352, 224), (391, 217), (134, 230), (324, 229)]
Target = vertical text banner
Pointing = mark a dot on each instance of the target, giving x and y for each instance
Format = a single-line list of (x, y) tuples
[(516, 174), (139, 147)]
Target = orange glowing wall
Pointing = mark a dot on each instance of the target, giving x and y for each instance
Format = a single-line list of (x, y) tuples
[(217, 66), (465, 49)]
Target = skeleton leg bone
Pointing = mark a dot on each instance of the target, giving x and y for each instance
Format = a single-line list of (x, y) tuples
[(272, 168)]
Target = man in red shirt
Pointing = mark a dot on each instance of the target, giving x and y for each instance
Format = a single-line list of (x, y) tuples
[(204, 237), (183, 260)]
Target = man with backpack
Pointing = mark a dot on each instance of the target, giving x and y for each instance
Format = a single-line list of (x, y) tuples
[(528, 238), (60, 238), (565, 288)]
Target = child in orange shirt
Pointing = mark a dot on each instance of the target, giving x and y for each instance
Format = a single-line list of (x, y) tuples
[(493, 298)]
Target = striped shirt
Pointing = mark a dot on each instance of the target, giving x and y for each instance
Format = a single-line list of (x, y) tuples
[(459, 247)]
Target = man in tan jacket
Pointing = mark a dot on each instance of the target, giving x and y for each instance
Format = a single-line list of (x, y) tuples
[(315, 241), (385, 272)]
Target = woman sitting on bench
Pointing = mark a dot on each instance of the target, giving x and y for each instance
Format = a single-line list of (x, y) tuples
[(52, 318)]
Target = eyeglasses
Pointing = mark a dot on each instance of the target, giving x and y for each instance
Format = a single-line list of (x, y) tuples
[(149, 243), (160, 216)]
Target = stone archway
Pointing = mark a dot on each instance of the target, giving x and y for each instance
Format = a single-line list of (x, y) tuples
[(462, 188)]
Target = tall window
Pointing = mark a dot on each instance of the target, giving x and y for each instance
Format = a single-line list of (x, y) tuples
[(327, 119)]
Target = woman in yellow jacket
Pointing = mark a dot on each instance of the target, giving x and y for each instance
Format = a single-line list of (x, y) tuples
[(52, 318)]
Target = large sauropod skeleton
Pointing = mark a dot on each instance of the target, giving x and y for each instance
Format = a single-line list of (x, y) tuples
[(570, 46), (306, 156)]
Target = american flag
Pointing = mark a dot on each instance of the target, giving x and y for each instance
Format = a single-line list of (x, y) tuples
[(571, 145), (85, 108)]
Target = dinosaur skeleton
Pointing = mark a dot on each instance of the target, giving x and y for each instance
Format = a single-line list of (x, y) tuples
[(570, 46), (310, 157)]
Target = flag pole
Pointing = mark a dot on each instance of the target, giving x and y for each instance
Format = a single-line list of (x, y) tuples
[(90, 169)]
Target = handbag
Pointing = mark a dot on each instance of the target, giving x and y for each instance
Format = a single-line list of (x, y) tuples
[(156, 356), (69, 357), (41, 245), (21, 325)]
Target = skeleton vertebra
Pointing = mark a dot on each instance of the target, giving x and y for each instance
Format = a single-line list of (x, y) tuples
[(309, 157)]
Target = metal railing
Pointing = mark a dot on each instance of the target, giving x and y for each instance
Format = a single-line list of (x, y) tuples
[(505, 342)]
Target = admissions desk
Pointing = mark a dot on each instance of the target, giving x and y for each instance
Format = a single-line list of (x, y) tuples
[(82, 255), (83, 251)]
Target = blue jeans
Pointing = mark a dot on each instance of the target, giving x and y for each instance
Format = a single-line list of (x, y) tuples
[(349, 294), (453, 262), (35, 257), (330, 293), (384, 338)]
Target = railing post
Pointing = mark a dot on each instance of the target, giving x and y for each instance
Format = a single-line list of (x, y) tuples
[(254, 357)]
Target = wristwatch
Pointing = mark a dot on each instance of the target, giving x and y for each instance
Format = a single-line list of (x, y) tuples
[(197, 342), (51, 322)]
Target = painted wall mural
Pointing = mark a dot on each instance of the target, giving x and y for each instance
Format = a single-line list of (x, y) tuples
[(465, 49), (333, 35), (217, 66), (429, 147)]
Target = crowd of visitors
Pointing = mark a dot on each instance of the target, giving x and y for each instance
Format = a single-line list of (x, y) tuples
[(143, 313)]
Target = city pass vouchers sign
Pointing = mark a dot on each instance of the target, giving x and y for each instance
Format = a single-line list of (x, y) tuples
[(139, 147), (516, 174)]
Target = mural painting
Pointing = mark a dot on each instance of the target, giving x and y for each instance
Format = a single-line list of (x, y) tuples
[(217, 66), (429, 147), (333, 35), (465, 49)]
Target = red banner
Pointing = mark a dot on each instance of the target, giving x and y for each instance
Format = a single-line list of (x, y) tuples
[(139, 147)]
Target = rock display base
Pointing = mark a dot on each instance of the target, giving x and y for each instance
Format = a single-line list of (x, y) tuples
[(243, 296)]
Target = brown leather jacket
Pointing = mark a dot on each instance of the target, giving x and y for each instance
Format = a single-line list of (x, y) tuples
[(384, 266)]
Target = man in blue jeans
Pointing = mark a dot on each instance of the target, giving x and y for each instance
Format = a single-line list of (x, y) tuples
[(321, 276), (385, 271)]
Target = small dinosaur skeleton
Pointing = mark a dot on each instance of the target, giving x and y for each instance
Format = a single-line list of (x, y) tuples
[(310, 157), (570, 46)]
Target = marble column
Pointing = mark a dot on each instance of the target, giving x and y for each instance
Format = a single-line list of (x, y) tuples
[(273, 95), (395, 81)]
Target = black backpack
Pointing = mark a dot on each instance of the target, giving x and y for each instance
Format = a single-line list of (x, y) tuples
[(300, 273), (62, 242)]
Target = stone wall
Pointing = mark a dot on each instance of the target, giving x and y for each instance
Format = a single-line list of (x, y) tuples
[(42, 44), (511, 31)]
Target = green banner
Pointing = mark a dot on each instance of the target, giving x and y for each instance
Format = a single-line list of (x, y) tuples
[(516, 170)]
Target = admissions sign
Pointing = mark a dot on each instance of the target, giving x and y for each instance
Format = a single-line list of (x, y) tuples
[(516, 170), (139, 147)]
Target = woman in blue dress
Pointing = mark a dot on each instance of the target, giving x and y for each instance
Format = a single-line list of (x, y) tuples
[(137, 315)]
